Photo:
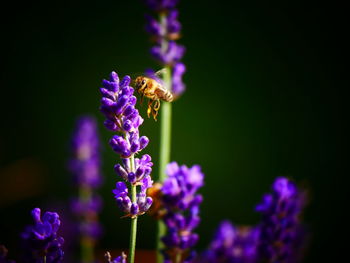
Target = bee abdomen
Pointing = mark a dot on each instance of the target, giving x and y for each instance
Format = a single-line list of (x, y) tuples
[(164, 94)]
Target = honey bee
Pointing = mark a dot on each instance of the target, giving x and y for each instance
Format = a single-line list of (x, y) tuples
[(154, 90)]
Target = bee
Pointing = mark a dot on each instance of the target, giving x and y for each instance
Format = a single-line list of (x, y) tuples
[(157, 209), (152, 88)]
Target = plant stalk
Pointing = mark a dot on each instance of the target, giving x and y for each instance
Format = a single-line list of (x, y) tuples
[(133, 230), (165, 139), (87, 250), (165, 136), (86, 244)]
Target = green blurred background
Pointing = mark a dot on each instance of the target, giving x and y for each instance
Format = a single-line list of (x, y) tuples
[(263, 99)]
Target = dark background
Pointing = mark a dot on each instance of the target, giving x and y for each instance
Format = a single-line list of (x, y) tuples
[(264, 98)]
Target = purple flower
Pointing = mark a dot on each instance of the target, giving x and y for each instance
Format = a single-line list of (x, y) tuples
[(93, 206), (232, 244), (178, 87), (172, 54), (171, 31), (40, 240), (164, 32), (280, 229), (181, 203), (85, 166), (118, 105)]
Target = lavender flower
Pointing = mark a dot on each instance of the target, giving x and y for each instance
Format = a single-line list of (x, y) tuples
[(118, 105), (85, 165), (165, 32), (280, 227), (85, 147), (232, 245), (40, 241), (181, 203)]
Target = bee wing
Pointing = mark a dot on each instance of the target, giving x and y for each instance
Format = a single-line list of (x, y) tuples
[(154, 75), (160, 73)]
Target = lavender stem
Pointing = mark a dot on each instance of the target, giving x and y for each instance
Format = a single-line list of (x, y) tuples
[(87, 254), (165, 145), (86, 246), (165, 138), (165, 130), (163, 25), (133, 229)]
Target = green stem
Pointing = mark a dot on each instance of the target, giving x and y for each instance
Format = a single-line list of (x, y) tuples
[(86, 244), (165, 137), (165, 144), (133, 230), (165, 125), (87, 250)]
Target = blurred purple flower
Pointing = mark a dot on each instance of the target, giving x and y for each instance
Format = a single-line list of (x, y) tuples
[(281, 229), (181, 203), (85, 166), (85, 145), (178, 86), (232, 244), (165, 31), (41, 241), (118, 105), (171, 55)]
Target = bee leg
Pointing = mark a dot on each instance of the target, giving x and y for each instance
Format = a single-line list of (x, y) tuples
[(156, 107), (154, 114), (141, 99), (149, 109)]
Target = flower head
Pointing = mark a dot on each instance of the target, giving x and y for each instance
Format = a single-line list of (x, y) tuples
[(181, 203), (165, 32), (280, 227), (178, 87), (118, 105), (41, 239), (232, 244), (169, 56), (85, 165)]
